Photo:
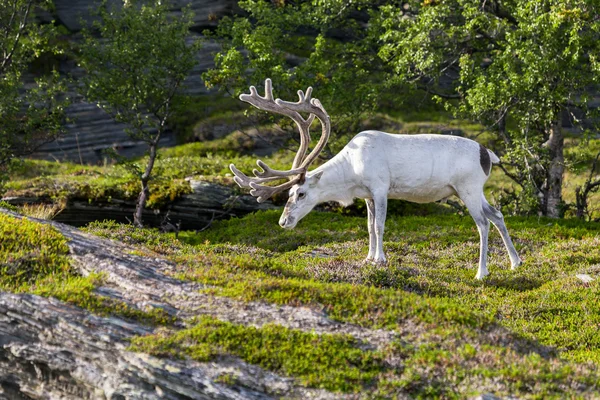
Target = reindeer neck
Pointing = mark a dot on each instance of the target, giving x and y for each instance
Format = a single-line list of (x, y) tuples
[(335, 183)]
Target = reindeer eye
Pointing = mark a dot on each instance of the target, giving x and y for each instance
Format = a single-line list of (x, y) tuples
[(301, 195)]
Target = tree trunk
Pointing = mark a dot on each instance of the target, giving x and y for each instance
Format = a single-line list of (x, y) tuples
[(143, 197), (553, 192), (580, 202)]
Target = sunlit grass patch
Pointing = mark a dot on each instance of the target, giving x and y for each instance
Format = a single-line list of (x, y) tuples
[(262, 230), (435, 257), (432, 262), (332, 362), (451, 363)]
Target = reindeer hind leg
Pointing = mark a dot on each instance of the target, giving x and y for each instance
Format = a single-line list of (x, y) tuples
[(498, 220), (473, 203)]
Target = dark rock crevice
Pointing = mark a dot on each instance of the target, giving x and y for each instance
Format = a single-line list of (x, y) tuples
[(206, 202)]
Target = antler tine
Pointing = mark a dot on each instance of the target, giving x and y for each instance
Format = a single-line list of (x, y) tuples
[(244, 180), (266, 103), (263, 193), (270, 172), (269, 89), (314, 107), (267, 175), (304, 103)]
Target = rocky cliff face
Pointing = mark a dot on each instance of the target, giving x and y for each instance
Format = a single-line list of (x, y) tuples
[(71, 13), (91, 130)]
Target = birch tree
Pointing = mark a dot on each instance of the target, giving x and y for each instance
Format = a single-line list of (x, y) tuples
[(135, 64)]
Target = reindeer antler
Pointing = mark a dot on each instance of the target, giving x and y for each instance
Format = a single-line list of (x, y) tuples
[(300, 164), (315, 108)]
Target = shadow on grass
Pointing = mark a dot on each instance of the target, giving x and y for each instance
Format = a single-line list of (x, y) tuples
[(516, 283)]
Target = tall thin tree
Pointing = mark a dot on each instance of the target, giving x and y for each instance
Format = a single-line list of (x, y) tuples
[(135, 66)]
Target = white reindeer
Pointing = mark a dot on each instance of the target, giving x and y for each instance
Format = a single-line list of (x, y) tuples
[(376, 166)]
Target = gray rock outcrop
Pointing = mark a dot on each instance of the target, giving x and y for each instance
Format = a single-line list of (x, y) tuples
[(52, 350), (71, 13)]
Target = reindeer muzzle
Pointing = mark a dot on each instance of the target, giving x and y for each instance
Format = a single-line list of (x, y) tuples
[(287, 222)]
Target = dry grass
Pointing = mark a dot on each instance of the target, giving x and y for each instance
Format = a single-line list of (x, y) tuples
[(42, 211)]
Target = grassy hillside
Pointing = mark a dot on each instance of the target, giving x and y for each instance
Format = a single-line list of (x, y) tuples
[(533, 332)]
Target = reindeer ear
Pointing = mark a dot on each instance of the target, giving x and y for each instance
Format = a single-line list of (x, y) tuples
[(314, 179)]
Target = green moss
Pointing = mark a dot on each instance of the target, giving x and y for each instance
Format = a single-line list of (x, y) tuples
[(30, 251), (331, 362), (432, 262), (34, 259), (8, 206)]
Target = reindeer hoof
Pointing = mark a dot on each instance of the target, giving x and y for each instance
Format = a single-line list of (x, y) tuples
[(374, 261), (514, 265), (480, 275)]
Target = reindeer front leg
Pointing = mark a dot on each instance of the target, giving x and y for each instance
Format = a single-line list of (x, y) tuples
[(371, 225), (380, 201)]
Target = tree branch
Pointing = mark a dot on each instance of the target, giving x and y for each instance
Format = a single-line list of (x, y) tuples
[(10, 22), (22, 26), (515, 178)]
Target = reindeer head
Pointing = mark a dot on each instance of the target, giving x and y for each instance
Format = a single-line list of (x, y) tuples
[(301, 201)]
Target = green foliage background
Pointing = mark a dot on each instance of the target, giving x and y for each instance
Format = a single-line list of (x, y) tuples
[(513, 66), (30, 115)]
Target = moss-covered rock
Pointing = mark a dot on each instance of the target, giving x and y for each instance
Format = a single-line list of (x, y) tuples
[(29, 252), (34, 258), (333, 362)]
